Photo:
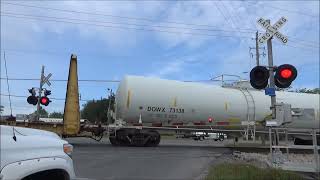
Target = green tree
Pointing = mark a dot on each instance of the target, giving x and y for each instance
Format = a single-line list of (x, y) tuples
[(1, 109), (56, 115), (43, 113), (310, 91), (96, 110)]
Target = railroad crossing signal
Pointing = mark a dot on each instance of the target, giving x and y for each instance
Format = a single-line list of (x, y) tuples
[(259, 76), (283, 77), (32, 99), (272, 30), (44, 100), (285, 74)]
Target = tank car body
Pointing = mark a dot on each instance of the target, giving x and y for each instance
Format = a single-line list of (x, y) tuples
[(158, 102)]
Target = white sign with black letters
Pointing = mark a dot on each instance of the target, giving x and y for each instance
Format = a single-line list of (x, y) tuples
[(272, 30)]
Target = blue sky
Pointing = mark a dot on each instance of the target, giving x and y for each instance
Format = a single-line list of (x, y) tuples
[(181, 41)]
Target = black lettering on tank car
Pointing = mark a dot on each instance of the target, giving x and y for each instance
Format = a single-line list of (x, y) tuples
[(156, 109)]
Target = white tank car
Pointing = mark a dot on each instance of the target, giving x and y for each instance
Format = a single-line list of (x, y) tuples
[(168, 102)]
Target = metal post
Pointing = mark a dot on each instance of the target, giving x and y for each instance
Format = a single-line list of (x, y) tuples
[(315, 149), (277, 136), (109, 105), (254, 132), (40, 91), (257, 49), (271, 77), (222, 80), (286, 136), (270, 142)]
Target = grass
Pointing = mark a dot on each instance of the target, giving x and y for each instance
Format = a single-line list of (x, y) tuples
[(237, 171)]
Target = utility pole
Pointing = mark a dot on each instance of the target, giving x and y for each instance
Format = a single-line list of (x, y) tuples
[(109, 104), (40, 91), (257, 49), (271, 75)]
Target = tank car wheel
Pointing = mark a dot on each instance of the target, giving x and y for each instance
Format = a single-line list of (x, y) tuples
[(154, 139), (113, 141), (221, 137), (121, 138)]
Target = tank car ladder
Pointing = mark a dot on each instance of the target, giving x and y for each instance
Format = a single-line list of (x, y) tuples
[(251, 114)]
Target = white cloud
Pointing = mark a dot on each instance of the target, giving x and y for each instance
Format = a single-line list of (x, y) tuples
[(162, 70)]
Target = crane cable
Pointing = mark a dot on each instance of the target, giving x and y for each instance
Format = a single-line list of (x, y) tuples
[(5, 65)]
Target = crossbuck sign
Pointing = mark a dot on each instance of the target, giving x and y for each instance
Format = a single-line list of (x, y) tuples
[(272, 30), (45, 79)]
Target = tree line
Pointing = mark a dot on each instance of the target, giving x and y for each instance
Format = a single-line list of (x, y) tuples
[(94, 110)]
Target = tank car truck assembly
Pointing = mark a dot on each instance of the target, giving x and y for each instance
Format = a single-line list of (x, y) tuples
[(144, 106)]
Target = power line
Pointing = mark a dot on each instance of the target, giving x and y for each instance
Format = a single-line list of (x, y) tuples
[(58, 99), (304, 42), (231, 18), (88, 80), (61, 80), (287, 10), (127, 28), (109, 15), (132, 24), (250, 18), (305, 48), (297, 41)]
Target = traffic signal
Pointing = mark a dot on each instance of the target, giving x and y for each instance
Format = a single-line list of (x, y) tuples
[(259, 76), (44, 100), (32, 99), (284, 76), (47, 92)]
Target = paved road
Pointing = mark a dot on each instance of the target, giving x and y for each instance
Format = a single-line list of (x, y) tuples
[(170, 160)]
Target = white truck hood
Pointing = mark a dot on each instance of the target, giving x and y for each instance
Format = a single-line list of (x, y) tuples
[(29, 144)]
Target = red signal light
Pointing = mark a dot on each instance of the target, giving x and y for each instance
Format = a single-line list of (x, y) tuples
[(44, 101), (210, 119), (286, 73)]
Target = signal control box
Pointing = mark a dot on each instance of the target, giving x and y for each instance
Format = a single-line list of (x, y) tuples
[(286, 114)]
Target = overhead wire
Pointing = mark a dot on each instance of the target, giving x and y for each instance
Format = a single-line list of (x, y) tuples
[(304, 48), (123, 27), (123, 23), (110, 15), (53, 98), (231, 18), (236, 20), (89, 80), (60, 80), (284, 9)]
